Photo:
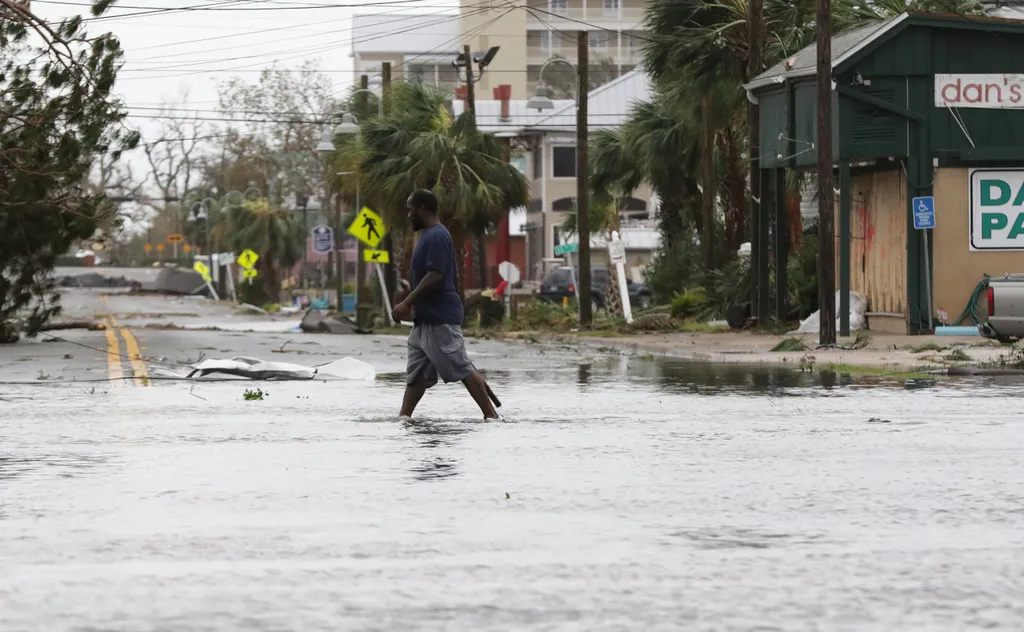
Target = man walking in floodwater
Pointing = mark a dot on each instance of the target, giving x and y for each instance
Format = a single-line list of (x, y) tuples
[(436, 346)]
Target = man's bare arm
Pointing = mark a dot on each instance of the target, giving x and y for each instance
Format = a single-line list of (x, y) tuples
[(430, 282)]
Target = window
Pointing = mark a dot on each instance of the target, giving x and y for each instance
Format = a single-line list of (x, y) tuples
[(558, 6), (599, 40), (563, 161), (611, 7), (538, 39)]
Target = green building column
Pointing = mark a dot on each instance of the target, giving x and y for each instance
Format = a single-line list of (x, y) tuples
[(782, 230), (845, 190)]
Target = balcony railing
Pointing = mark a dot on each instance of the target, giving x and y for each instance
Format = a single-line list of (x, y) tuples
[(595, 15)]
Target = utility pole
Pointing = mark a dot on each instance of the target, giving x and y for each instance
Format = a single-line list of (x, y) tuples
[(582, 177), (754, 28), (480, 256), (392, 269), (362, 309), (470, 92), (826, 208)]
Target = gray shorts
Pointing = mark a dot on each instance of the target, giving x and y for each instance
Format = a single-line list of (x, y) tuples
[(437, 351)]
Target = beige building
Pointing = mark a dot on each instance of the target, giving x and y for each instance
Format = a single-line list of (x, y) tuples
[(422, 47), (546, 152), (545, 29)]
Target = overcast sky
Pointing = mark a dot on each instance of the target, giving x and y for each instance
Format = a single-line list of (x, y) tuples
[(169, 50)]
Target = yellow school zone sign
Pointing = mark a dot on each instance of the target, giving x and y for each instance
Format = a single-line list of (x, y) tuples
[(368, 227), (376, 256)]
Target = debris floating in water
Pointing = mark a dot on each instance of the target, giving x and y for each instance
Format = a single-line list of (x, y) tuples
[(256, 369)]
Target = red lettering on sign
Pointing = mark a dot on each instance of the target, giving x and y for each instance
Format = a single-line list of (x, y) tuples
[(1015, 94), (956, 92), (977, 93), (988, 92)]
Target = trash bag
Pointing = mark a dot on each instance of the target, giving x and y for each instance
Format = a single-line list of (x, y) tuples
[(858, 316)]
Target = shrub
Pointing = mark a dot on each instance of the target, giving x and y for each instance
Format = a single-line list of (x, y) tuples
[(689, 302)]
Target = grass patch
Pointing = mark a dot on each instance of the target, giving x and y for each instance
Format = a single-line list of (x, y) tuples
[(876, 371), (958, 355), (790, 344)]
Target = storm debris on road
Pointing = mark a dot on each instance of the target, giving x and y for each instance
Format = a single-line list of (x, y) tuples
[(257, 369)]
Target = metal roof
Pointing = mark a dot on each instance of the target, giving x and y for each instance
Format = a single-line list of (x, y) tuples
[(488, 115), (844, 46), (849, 43)]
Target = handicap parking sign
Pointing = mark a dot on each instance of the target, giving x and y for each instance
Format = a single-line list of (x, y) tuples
[(924, 212)]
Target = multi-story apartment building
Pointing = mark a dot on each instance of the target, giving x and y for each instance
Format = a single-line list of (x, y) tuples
[(530, 36), (420, 47)]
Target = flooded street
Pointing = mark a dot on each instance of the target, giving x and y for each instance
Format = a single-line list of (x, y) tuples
[(620, 493)]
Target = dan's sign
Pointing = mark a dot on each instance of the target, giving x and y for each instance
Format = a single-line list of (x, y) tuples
[(997, 209), (979, 91)]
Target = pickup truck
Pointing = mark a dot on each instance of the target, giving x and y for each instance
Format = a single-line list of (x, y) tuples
[(1005, 309)]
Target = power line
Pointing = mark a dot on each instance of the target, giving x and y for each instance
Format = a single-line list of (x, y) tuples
[(280, 28), (231, 5), (352, 40), (302, 52)]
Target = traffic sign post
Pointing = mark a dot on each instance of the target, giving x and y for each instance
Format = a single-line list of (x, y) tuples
[(323, 239), (617, 255), (368, 227), (248, 260), (204, 272), (924, 220)]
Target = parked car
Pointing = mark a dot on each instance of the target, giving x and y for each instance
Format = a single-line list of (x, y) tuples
[(1005, 309), (558, 285)]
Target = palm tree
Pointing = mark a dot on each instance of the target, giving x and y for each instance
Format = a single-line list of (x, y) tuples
[(276, 235), (657, 145), (420, 144)]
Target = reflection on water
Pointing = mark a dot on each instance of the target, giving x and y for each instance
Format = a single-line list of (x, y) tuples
[(624, 493), (437, 437)]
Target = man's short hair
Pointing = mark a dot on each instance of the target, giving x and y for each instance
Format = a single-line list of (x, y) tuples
[(424, 198)]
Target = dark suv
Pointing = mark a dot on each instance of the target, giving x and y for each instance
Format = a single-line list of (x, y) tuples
[(558, 285)]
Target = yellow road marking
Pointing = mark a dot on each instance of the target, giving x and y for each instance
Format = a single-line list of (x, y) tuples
[(138, 366), (113, 354)]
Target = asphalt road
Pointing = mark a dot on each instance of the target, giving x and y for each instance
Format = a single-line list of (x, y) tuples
[(148, 336)]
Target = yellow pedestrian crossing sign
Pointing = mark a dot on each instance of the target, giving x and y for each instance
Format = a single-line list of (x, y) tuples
[(376, 256), (368, 227), (248, 259), (203, 270)]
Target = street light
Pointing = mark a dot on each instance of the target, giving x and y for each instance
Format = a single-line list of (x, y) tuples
[(541, 101), (349, 126)]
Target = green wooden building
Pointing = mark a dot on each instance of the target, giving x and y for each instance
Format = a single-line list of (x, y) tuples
[(924, 105)]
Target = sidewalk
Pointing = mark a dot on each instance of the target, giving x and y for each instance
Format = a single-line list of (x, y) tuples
[(884, 351)]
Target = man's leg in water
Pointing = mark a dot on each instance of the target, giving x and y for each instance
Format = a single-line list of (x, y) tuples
[(413, 395), (420, 374), (476, 387)]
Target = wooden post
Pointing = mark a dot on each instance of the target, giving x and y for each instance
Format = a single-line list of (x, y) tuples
[(391, 271), (363, 310), (707, 149), (826, 208), (582, 177)]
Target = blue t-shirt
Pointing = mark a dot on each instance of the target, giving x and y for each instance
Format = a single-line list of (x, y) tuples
[(436, 251)]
